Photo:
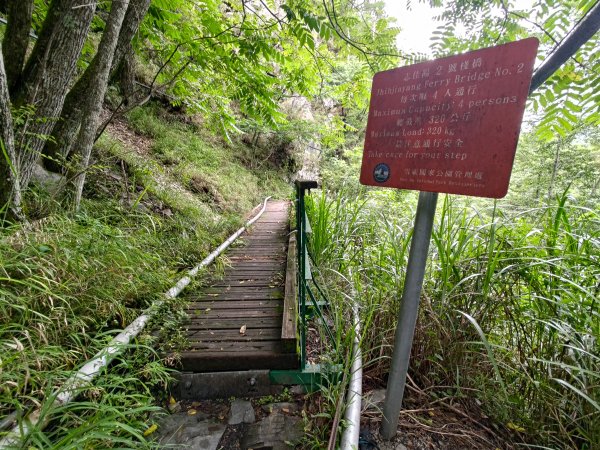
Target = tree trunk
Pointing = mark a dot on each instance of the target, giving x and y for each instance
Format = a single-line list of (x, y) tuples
[(99, 75), (554, 170), (10, 185), (127, 75), (16, 40), (65, 133), (48, 75)]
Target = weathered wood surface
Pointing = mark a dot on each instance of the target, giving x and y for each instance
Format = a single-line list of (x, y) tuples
[(249, 293), (290, 303)]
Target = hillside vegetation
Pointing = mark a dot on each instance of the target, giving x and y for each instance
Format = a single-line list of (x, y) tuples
[(508, 326), (162, 195)]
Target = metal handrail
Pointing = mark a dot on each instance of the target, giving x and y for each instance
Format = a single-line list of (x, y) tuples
[(303, 229), (354, 395), (301, 188)]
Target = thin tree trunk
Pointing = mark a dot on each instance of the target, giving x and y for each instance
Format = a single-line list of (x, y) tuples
[(593, 193), (16, 40), (65, 132), (100, 73), (127, 75), (554, 171), (48, 75), (10, 184)]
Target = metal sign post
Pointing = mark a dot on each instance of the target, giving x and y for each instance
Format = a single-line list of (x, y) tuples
[(405, 330), (450, 125)]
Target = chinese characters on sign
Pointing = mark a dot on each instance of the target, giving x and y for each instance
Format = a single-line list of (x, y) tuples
[(449, 125)]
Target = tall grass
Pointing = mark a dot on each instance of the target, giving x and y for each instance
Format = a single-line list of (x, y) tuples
[(65, 285), (509, 309)]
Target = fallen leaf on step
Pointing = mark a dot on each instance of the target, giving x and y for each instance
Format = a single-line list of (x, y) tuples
[(243, 329)]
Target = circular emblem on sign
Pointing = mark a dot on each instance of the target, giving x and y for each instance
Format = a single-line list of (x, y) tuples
[(381, 173)]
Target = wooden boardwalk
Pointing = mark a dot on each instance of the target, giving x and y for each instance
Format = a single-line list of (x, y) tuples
[(235, 323)]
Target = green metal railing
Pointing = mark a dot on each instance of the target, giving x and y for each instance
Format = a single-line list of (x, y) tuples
[(305, 276)]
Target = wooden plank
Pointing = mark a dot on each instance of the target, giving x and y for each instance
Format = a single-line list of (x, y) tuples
[(256, 267), (232, 313), (265, 231), (261, 264), (231, 304), (257, 258), (256, 245), (213, 291), (238, 296), (275, 279), (250, 267), (218, 362), (271, 237), (264, 241), (270, 280), (239, 288), (256, 284), (251, 274), (261, 254), (278, 261), (244, 290), (261, 258), (239, 346), (262, 334), (276, 246), (225, 285), (262, 244), (233, 324), (290, 300)]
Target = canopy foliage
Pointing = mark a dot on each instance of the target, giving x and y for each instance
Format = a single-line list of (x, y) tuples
[(235, 62), (567, 99)]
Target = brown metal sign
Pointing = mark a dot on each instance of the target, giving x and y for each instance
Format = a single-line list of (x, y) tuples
[(449, 125)]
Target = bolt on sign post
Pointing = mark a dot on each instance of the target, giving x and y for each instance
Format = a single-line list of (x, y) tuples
[(450, 125)]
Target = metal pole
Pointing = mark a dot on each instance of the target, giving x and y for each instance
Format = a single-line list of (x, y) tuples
[(405, 329), (350, 435), (582, 33)]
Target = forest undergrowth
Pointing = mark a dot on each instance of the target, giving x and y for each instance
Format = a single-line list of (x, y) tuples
[(508, 324)]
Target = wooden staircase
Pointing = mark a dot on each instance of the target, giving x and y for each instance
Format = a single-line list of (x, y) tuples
[(246, 320)]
